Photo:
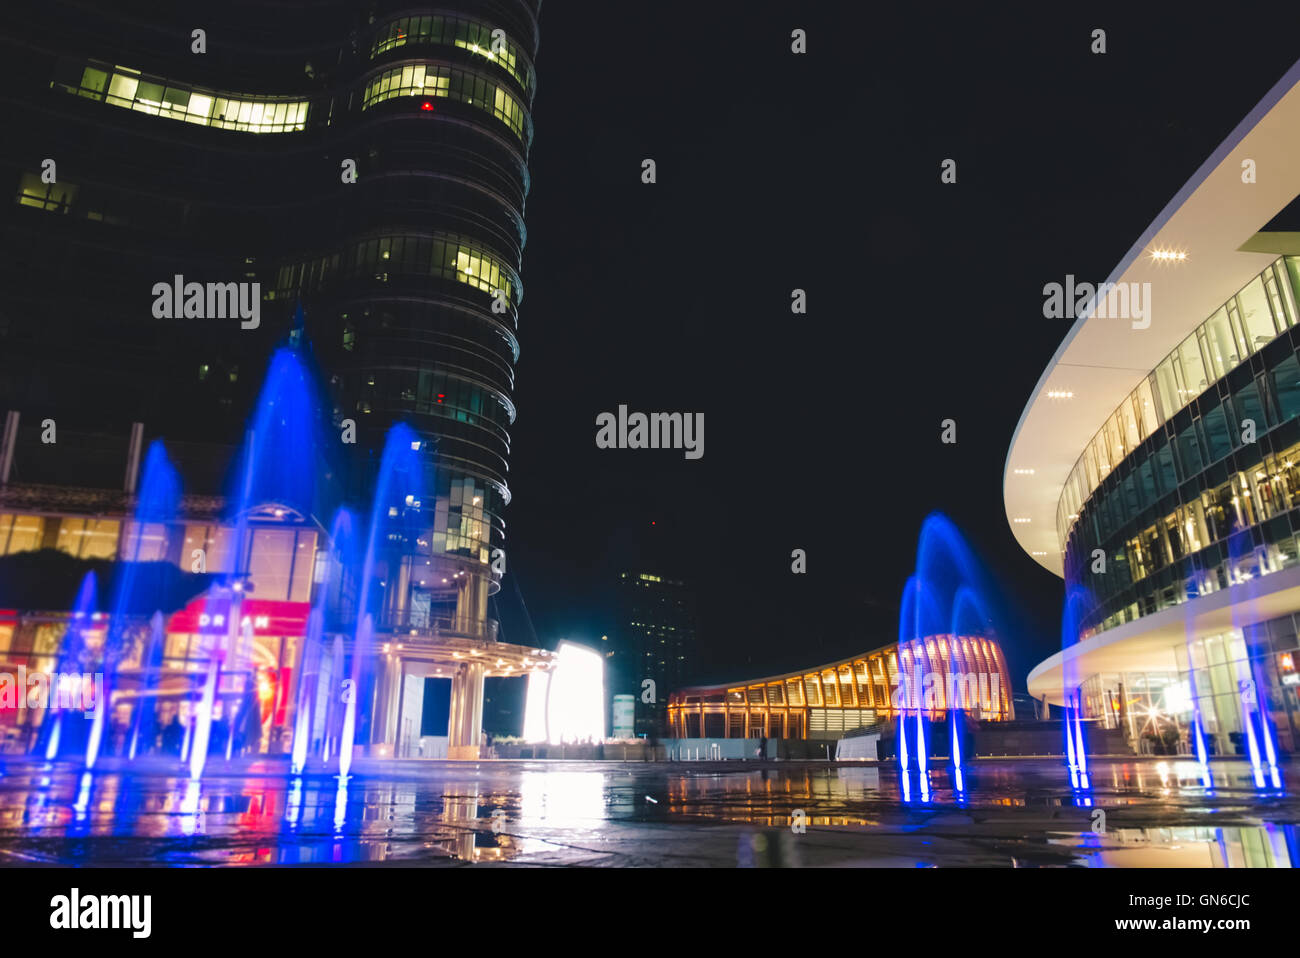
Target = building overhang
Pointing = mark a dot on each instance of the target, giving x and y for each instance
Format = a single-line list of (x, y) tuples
[(1149, 644), (1214, 219)]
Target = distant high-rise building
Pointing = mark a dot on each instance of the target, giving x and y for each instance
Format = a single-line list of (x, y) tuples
[(655, 640)]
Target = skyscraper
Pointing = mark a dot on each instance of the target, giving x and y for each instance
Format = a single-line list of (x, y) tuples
[(654, 640), (372, 165), (184, 179)]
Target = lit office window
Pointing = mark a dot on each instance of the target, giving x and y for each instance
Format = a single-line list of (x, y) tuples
[(472, 35), (1258, 313), (52, 197), (441, 80), (88, 538), (20, 533), (132, 90), (446, 256)]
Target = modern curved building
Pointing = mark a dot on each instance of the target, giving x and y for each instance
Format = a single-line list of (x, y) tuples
[(829, 700), (365, 161), (1156, 467)]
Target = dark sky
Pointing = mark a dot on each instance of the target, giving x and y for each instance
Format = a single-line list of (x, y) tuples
[(821, 171)]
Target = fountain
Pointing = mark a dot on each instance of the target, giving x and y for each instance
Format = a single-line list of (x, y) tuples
[(281, 470), (332, 709), (395, 517), (140, 724), (203, 720), (1255, 722), (71, 649), (156, 505), (1077, 604), (337, 570), (305, 708), (352, 698), (943, 598)]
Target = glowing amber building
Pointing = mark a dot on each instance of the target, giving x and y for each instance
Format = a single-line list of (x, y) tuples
[(829, 700)]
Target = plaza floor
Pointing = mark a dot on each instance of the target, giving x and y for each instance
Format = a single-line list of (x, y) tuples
[(1011, 813)]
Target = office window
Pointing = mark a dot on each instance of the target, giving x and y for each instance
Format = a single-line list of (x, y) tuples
[(52, 197), (21, 533), (127, 88), (1286, 386), (1256, 315), (441, 80)]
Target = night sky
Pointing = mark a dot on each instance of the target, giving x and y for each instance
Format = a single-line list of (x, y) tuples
[(821, 172)]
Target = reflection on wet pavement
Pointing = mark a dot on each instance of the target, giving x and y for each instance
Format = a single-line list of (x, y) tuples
[(1013, 813)]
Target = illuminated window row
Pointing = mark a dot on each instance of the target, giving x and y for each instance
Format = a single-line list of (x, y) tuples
[(1241, 528), (441, 80), (859, 686), (133, 90), (1260, 311), (280, 560), (437, 392), (442, 255), (472, 35)]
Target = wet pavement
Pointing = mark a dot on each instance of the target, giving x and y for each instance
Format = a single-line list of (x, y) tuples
[(1011, 813)]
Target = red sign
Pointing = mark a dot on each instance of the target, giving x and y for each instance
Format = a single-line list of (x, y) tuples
[(266, 616)]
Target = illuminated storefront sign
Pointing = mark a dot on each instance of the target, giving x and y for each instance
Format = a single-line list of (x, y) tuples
[(269, 617)]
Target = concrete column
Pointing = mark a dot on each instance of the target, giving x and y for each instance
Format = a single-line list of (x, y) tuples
[(466, 720), (388, 693), (474, 709), (455, 727), (471, 603)]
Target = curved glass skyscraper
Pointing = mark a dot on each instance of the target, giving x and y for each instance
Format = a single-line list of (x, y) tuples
[(367, 161)]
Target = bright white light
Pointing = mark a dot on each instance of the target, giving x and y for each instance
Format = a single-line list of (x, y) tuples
[(535, 707), (575, 710), (1178, 698)]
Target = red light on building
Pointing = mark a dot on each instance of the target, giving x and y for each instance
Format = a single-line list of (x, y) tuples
[(427, 106)]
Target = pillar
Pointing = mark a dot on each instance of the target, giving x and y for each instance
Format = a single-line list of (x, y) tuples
[(466, 720), (388, 697)]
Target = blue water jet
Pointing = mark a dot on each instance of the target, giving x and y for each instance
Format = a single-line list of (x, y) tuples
[(71, 650), (946, 596), (156, 507)]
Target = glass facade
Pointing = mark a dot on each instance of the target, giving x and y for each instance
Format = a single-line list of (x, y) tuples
[(385, 258), (443, 80), (280, 561), (1261, 310), (1157, 709), (133, 90), (1190, 504), (474, 36)]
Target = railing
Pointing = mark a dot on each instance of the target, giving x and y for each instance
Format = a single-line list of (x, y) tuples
[(435, 626)]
